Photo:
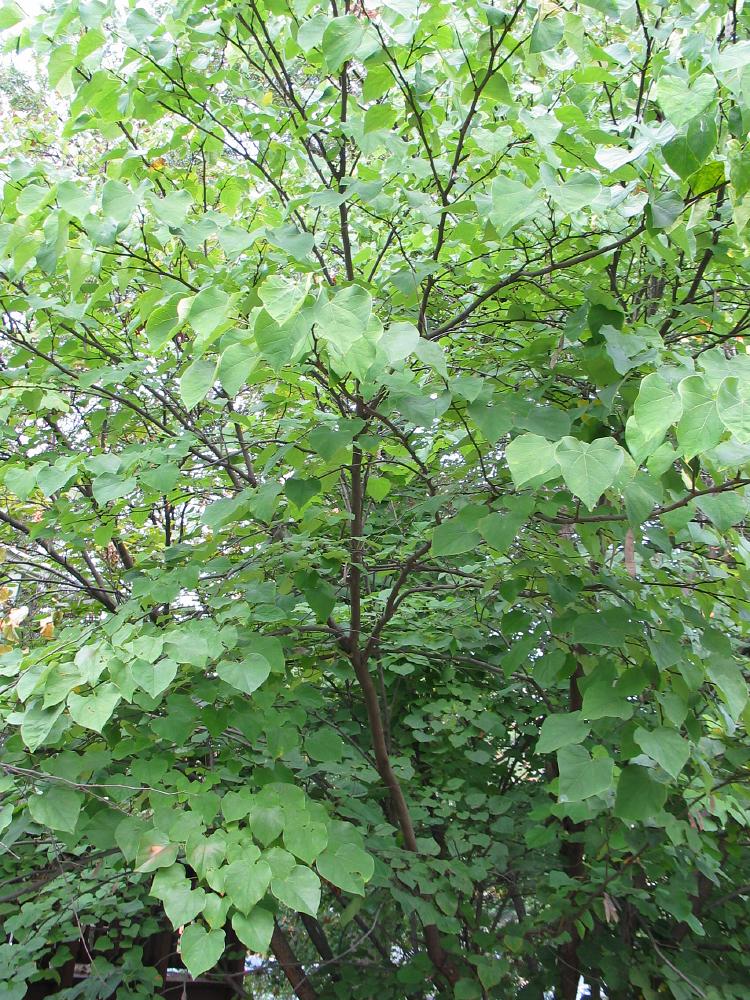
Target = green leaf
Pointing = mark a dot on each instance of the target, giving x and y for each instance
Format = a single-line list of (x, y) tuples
[(294, 242), (344, 319), (611, 627), (10, 15), (154, 678), (691, 147), (325, 745), (665, 208), (109, 487), (680, 102), (656, 407), (271, 648), (154, 851), (299, 890), (708, 178), (319, 594), (90, 43), (546, 34), (208, 311), (577, 192), (665, 746), (467, 989), (266, 821), (328, 443), (236, 364), (301, 491), (246, 676), (215, 911), (162, 324), (173, 208), (700, 427), (21, 482), (282, 297), (639, 796), (33, 197), (310, 33), (432, 354), (452, 538), (733, 407), (305, 839), (529, 457), (163, 478), (494, 421), (341, 40), (724, 510), (234, 240), (255, 929), (399, 341), (226, 510), (196, 382), (141, 24), (640, 499), (582, 776), (37, 723), (118, 201), (378, 488), (246, 883), (57, 807), (603, 701), (206, 854), (183, 904), (501, 530), (95, 710), (237, 805), (348, 867), (279, 344), (495, 16), (589, 469), (61, 61), (561, 731), (6, 816), (201, 949), (51, 478), (727, 677), (74, 199), (512, 204), (281, 862)]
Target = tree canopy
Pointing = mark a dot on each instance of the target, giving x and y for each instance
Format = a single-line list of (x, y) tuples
[(374, 457)]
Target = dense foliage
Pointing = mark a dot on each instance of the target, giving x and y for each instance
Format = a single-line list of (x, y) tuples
[(374, 452)]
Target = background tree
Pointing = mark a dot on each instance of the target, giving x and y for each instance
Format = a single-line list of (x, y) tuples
[(375, 447)]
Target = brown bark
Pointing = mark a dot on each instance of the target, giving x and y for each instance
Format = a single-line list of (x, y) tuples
[(568, 973), (569, 966), (320, 942), (291, 968), (358, 657)]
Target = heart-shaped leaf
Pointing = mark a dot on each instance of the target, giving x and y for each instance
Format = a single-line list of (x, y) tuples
[(246, 882), (95, 710), (247, 675), (299, 890), (254, 929), (200, 949), (589, 469), (530, 456)]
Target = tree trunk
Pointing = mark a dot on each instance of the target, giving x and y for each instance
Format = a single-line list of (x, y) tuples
[(569, 966), (291, 968)]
